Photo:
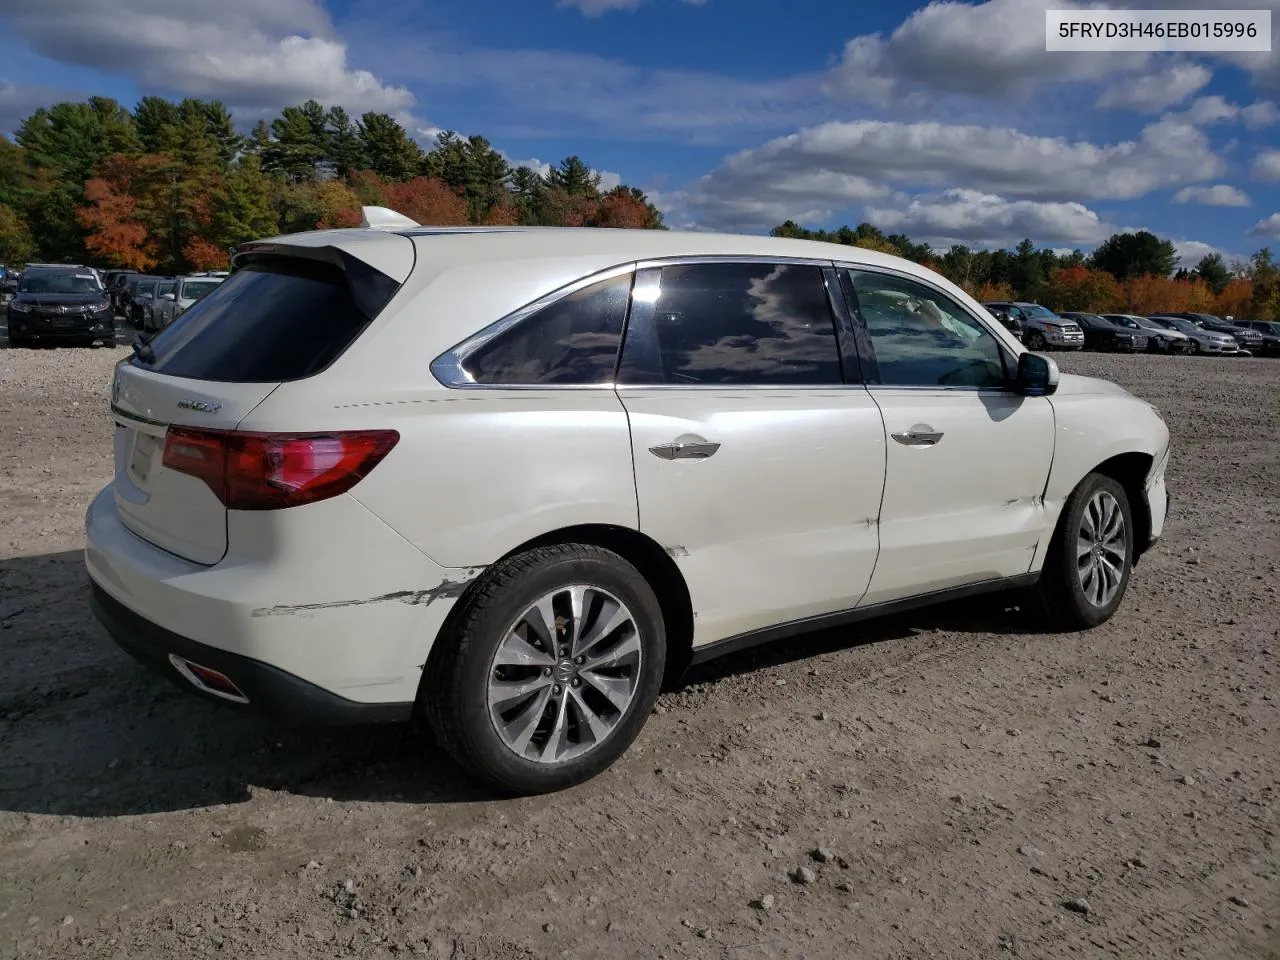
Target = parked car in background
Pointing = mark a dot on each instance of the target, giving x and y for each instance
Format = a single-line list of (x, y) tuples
[(128, 291), (59, 305), (1270, 331), (164, 290), (1202, 340), (1042, 329), (1101, 334), (1159, 339), (187, 291), (1249, 340), (718, 438), (142, 301), (115, 282), (8, 284), (1006, 319)]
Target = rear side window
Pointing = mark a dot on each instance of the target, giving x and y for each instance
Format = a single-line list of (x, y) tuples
[(733, 324), (572, 341), (277, 318)]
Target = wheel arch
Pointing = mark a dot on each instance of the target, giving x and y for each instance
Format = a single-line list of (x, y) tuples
[(1130, 470), (653, 563)]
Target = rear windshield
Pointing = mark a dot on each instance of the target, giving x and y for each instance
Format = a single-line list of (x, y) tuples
[(275, 319), (199, 289)]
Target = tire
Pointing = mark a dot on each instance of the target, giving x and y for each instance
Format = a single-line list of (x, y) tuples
[(16, 342), (1036, 341), (528, 757), (1195, 347), (1067, 598)]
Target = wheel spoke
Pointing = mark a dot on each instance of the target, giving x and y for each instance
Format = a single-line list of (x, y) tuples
[(541, 618), (559, 735), (615, 656), (518, 652), (503, 693), (520, 729), (592, 720), (617, 690), (612, 615), (578, 610), (1084, 547)]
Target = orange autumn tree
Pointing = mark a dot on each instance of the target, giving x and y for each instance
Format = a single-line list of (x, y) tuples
[(429, 201), (620, 208), (1236, 298), (116, 234), (205, 255), (1080, 288)]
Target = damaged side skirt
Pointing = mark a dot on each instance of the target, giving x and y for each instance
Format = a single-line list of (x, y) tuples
[(445, 590)]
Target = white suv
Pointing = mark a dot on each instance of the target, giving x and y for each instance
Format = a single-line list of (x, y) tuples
[(514, 478)]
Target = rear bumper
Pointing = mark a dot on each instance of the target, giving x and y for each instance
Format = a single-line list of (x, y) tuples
[(267, 689), (324, 594)]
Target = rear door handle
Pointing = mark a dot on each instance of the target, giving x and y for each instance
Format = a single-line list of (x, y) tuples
[(689, 450), (918, 438)]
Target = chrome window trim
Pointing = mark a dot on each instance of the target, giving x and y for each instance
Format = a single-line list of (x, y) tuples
[(448, 368), (1006, 353)]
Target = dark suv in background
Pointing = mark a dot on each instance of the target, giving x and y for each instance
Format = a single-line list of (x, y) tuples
[(60, 305), (1270, 331)]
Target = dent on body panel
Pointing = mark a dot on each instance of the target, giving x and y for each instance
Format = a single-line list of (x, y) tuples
[(1092, 429), (450, 587)]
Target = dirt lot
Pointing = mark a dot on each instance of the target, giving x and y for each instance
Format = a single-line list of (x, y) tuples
[(970, 779)]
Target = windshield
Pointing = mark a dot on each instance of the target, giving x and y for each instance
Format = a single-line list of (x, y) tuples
[(1186, 326), (1035, 310), (195, 289), (58, 281)]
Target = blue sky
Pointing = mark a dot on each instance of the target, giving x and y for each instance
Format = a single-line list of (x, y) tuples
[(949, 122)]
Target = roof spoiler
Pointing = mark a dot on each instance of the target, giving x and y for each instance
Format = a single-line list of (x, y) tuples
[(381, 218)]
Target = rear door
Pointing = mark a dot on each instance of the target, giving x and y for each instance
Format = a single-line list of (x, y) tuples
[(968, 459), (278, 318), (758, 466)]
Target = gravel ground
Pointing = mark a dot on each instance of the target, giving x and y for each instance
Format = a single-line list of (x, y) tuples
[(939, 784)]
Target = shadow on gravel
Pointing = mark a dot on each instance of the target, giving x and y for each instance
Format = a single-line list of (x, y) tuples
[(86, 731)]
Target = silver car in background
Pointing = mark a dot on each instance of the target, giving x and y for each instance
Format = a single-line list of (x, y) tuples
[(1042, 329), (1160, 339), (1202, 340), (187, 291)]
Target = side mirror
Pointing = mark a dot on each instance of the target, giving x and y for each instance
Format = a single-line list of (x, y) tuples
[(1037, 375), (168, 296)]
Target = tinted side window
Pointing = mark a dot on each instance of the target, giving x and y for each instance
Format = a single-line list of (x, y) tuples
[(922, 338), (734, 324), (275, 319), (572, 341)]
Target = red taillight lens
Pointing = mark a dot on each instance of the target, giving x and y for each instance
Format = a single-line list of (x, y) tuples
[(270, 471)]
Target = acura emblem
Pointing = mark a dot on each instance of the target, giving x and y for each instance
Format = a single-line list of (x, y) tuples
[(115, 390)]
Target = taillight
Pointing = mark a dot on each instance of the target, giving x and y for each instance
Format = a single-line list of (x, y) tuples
[(270, 471)]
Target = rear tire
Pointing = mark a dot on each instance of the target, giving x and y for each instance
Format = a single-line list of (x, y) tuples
[(1086, 571), (504, 695)]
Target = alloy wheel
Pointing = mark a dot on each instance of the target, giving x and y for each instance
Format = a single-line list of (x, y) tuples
[(1100, 549), (564, 674)]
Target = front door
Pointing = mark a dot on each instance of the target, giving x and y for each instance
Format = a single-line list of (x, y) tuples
[(968, 459), (758, 468)]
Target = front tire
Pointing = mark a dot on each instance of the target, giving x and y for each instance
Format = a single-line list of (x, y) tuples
[(1086, 571), (1036, 341), (549, 669)]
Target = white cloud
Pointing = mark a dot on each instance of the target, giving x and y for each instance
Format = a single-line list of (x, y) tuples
[(247, 53), (1156, 91), (596, 8), (992, 49), (1219, 195), (1261, 114), (1266, 165), (18, 101), (819, 169), (1270, 227), (969, 216), (1205, 111)]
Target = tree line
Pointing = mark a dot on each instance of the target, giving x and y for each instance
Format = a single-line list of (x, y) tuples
[(1129, 272), (172, 186)]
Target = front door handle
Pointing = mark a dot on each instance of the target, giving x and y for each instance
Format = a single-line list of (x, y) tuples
[(918, 438), (687, 450)]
